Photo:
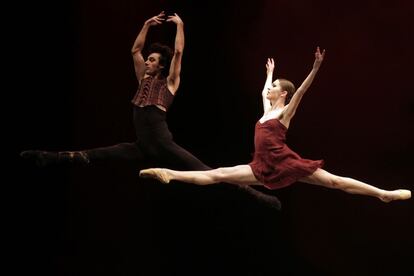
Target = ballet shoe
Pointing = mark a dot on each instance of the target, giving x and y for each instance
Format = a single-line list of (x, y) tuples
[(47, 158), (40, 158), (404, 194), (400, 194), (159, 174)]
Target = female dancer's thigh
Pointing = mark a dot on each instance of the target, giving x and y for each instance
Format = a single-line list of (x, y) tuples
[(240, 174)]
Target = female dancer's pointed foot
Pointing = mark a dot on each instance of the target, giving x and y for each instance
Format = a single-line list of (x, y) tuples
[(400, 194), (159, 174)]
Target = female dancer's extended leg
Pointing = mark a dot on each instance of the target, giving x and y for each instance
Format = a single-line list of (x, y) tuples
[(352, 186), (240, 175)]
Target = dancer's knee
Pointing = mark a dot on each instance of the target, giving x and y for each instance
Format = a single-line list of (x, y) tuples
[(336, 182), (219, 174), (324, 178)]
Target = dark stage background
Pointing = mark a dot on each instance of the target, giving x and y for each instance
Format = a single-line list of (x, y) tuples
[(74, 80)]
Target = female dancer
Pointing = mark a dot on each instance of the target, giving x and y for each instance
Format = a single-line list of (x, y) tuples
[(274, 164)]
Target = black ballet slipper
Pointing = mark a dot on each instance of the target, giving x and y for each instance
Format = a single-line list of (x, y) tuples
[(40, 158), (47, 158)]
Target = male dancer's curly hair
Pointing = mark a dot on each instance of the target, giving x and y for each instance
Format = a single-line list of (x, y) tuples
[(166, 54)]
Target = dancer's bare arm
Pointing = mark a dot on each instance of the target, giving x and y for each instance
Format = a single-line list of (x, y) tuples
[(175, 67), (297, 97), (139, 62), (270, 66)]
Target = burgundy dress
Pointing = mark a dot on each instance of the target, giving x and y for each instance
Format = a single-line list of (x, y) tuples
[(274, 164)]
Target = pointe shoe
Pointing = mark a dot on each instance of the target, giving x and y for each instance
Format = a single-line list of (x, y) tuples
[(159, 174), (404, 194), (400, 194)]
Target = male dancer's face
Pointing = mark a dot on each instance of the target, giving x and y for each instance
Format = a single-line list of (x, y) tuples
[(152, 64)]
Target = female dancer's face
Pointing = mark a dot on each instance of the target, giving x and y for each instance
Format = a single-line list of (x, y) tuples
[(274, 92)]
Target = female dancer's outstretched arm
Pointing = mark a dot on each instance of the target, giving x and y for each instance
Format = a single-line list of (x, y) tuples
[(270, 66), (291, 107)]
